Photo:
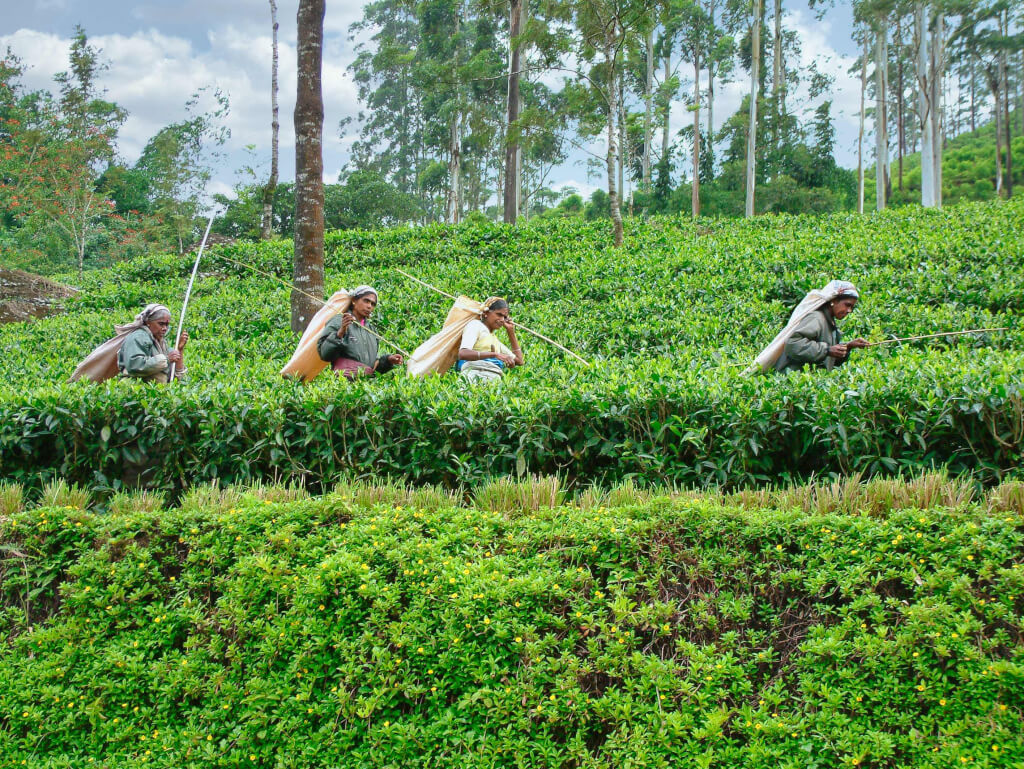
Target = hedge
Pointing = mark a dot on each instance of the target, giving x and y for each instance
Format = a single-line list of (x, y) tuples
[(324, 634)]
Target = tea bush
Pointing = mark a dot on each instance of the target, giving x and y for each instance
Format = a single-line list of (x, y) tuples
[(668, 322), (325, 633)]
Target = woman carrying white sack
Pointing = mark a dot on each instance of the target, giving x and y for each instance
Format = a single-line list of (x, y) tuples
[(482, 356), (138, 351), (812, 336)]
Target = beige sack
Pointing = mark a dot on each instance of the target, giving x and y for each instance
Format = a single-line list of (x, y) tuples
[(306, 363), (439, 353), (101, 363)]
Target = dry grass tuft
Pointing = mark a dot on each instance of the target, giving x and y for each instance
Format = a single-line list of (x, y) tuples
[(58, 493), (125, 502), (509, 495), (12, 498)]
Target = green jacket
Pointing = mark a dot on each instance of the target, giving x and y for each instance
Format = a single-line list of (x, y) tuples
[(142, 357), (357, 344), (809, 344)]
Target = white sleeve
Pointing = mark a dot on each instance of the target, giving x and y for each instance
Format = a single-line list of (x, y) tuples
[(471, 334)]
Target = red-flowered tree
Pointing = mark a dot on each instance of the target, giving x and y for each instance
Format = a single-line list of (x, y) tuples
[(54, 153)]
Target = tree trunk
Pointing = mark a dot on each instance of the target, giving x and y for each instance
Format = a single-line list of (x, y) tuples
[(454, 206), (974, 101), (512, 144), (778, 88), (623, 146), (755, 66), (1007, 126), (900, 116), (266, 227), (709, 135), (695, 187), (925, 105), (860, 135), (648, 108), (937, 77), (881, 118), (668, 109), (613, 108), (309, 166)]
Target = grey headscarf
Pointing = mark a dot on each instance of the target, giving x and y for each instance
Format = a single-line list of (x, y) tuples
[(358, 291), (149, 312)]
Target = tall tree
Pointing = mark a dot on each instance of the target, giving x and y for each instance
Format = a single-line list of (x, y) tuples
[(308, 273), (516, 10), (755, 53), (266, 230), (929, 33)]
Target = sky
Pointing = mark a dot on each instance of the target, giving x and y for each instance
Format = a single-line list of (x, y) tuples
[(160, 53)]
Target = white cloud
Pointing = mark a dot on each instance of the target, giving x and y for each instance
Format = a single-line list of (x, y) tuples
[(165, 52), (152, 75)]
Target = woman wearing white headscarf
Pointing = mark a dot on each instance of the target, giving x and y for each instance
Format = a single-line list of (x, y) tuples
[(144, 354), (347, 344), (812, 336), (147, 357)]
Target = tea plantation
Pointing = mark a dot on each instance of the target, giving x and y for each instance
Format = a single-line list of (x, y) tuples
[(448, 620), (668, 323)]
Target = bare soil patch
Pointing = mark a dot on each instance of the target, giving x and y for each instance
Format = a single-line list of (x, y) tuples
[(24, 296)]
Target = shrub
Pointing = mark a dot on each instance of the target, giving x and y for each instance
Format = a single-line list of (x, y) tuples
[(323, 633)]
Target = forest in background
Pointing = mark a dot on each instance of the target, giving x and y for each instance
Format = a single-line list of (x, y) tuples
[(468, 107)]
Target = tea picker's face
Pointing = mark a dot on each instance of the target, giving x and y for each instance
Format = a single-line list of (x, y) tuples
[(495, 319), (843, 307), (159, 325), (364, 305)]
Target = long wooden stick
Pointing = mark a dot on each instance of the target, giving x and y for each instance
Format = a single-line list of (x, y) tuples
[(932, 336), (188, 292), (517, 325), (304, 293)]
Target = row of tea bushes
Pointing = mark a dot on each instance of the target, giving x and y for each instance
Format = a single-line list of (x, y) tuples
[(321, 633), (657, 420)]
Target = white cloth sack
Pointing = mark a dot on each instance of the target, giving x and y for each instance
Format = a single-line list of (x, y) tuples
[(306, 363), (481, 371), (439, 353), (814, 300)]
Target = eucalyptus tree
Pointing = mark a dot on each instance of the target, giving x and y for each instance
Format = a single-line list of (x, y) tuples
[(930, 65), (266, 228), (755, 57), (875, 16), (308, 272), (604, 28), (385, 71)]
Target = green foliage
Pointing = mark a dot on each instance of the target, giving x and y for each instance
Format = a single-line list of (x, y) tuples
[(669, 322), (328, 633)]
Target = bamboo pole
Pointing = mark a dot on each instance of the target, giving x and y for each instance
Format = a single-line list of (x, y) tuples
[(188, 293), (295, 288), (933, 336), (517, 325)]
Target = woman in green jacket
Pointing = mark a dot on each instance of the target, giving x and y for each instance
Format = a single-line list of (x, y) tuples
[(347, 344), (816, 341), (144, 353)]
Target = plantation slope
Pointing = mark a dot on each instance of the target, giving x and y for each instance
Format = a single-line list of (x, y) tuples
[(324, 634), (668, 322)]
